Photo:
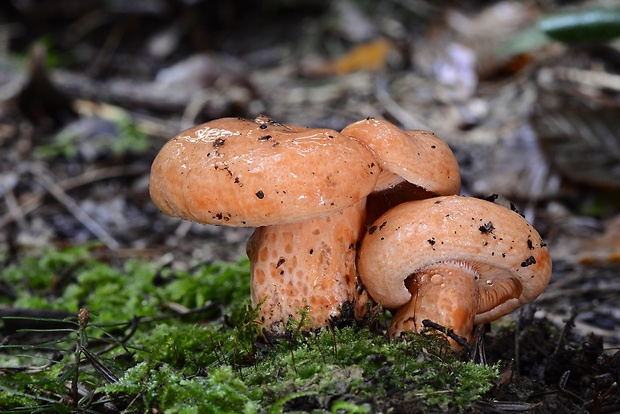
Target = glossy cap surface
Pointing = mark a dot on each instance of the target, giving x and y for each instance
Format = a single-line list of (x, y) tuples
[(252, 173)]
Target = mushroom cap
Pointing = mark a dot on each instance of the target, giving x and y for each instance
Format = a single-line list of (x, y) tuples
[(419, 157), (501, 246), (251, 173)]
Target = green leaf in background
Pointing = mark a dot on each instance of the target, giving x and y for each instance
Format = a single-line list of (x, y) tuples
[(583, 26), (596, 25)]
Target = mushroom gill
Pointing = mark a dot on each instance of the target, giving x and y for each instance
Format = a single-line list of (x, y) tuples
[(497, 291)]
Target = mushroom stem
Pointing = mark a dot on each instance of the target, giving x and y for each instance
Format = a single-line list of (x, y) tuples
[(445, 293), (307, 266)]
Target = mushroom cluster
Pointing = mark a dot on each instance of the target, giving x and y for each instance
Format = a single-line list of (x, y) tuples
[(368, 213)]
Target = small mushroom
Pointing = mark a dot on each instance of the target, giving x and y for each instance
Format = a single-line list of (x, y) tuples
[(415, 164), (289, 182), (457, 261)]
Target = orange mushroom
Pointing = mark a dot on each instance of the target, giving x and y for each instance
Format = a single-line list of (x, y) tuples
[(303, 188), (245, 173), (457, 261), (415, 164)]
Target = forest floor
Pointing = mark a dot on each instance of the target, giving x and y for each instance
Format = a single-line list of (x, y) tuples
[(91, 90)]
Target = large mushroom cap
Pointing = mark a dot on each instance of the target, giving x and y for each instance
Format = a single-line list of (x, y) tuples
[(418, 157), (239, 172), (511, 259)]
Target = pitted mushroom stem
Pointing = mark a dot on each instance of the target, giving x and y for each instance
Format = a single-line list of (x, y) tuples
[(307, 266)]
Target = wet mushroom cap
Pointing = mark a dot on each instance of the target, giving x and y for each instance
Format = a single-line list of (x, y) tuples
[(510, 257), (419, 157), (253, 173)]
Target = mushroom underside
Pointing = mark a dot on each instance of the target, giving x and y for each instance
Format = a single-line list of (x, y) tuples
[(454, 295)]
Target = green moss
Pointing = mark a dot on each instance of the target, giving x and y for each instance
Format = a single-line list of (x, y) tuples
[(124, 138), (349, 361), (8, 398), (164, 387), (35, 277), (73, 278), (216, 361)]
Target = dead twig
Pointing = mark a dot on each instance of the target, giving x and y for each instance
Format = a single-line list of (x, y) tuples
[(569, 324), (477, 350), (34, 200), (14, 208), (42, 177), (427, 323), (595, 405), (581, 327), (404, 117), (602, 287), (590, 78)]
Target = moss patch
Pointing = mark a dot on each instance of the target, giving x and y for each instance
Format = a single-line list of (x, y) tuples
[(134, 353)]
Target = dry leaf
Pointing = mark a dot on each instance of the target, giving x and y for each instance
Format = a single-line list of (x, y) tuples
[(372, 56), (604, 248), (583, 145)]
